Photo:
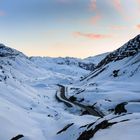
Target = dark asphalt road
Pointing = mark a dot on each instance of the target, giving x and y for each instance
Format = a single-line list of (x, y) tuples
[(90, 110)]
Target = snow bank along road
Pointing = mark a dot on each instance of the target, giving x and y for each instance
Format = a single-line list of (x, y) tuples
[(60, 95)]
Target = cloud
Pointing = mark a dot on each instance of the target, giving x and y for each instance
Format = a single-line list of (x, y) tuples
[(2, 13), (93, 36), (138, 1), (93, 5), (118, 5), (138, 26), (95, 19), (118, 27)]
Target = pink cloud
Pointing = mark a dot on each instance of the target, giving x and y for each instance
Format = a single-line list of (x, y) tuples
[(118, 27), (93, 5), (138, 1), (95, 19), (2, 13), (117, 5), (138, 26), (93, 36)]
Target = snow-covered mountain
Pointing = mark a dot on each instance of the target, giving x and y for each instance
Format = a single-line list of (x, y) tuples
[(118, 70), (113, 87), (27, 97), (69, 61), (72, 67), (110, 83), (97, 58), (16, 65), (119, 62)]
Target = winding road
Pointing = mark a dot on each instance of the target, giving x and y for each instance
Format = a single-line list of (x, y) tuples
[(60, 95)]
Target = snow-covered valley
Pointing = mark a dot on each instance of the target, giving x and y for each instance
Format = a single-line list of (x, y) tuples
[(108, 83)]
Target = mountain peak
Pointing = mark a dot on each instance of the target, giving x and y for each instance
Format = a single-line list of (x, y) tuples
[(131, 48), (6, 51)]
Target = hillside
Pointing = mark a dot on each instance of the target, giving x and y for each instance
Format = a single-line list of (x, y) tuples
[(68, 98), (27, 98), (113, 88)]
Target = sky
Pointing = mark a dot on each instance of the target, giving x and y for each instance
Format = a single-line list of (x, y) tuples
[(75, 28)]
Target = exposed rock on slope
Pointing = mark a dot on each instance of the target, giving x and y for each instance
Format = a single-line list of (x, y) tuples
[(131, 48), (69, 61), (119, 62)]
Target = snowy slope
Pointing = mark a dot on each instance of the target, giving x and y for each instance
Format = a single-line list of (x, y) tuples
[(118, 70), (16, 65), (69, 66), (17, 98), (114, 88), (97, 58), (27, 98), (110, 83)]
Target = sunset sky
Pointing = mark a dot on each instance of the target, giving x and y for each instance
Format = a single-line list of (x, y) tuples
[(77, 28)]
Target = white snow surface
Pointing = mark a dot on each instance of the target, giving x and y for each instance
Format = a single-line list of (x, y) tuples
[(27, 98), (28, 105), (116, 80), (72, 67)]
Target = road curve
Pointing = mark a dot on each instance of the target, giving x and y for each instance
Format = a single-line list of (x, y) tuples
[(61, 97)]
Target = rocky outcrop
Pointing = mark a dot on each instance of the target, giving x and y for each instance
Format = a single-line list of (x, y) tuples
[(131, 48)]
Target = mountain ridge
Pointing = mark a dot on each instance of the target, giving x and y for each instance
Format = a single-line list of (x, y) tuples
[(130, 48)]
